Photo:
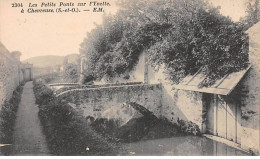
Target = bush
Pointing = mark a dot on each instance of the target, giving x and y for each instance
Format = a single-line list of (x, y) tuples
[(50, 78), (107, 128), (43, 94), (163, 129), (71, 73), (8, 116), (68, 133), (188, 127), (136, 129)]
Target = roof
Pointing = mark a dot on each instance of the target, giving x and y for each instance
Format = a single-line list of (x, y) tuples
[(222, 86)]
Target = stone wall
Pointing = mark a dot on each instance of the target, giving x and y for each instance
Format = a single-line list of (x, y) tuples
[(185, 105), (176, 104), (97, 102), (9, 74), (250, 136)]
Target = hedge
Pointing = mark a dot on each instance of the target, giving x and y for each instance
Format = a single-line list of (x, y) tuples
[(68, 133), (7, 119)]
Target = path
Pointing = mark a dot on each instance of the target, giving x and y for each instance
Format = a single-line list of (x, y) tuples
[(28, 136)]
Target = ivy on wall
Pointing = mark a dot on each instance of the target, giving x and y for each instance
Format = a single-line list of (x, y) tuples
[(182, 35)]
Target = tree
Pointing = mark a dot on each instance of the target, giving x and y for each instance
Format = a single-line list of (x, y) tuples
[(182, 35), (70, 73), (253, 13), (201, 38)]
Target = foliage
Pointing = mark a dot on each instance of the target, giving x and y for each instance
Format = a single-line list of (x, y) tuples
[(114, 47), (68, 133), (163, 129), (42, 93), (201, 38), (106, 127), (8, 116), (253, 13), (50, 78), (71, 73), (188, 127), (181, 35), (248, 114)]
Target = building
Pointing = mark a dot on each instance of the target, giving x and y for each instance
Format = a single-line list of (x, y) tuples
[(229, 109), (26, 72)]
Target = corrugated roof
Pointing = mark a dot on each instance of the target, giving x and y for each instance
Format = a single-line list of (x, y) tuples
[(222, 86)]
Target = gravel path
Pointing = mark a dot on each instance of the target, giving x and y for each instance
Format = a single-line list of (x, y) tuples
[(28, 136)]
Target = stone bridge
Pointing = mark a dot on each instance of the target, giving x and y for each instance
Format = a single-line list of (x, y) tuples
[(57, 86), (109, 100)]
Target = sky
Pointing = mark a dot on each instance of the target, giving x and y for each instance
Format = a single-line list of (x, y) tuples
[(232, 8), (62, 33)]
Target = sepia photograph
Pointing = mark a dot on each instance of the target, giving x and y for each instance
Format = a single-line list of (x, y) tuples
[(129, 78)]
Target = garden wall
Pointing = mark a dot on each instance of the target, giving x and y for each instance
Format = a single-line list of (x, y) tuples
[(176, 104), (9, 74)]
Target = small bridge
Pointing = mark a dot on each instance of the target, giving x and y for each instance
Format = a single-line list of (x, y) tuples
[(94, 100), (62, 87)]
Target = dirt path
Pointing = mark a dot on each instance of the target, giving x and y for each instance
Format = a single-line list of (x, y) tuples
[(28, 136)]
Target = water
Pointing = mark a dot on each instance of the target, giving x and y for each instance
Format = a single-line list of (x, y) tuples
[(181, 146)]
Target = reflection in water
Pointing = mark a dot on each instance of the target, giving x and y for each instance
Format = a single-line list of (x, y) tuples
[(181, 146), (175, 146)]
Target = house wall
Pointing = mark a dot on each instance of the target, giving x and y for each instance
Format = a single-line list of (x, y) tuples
[(250, 113), (250, 137), (9, 74), (185, 105), (177, 104)]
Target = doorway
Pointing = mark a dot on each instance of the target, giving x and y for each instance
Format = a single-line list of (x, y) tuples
[(223, 117)]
